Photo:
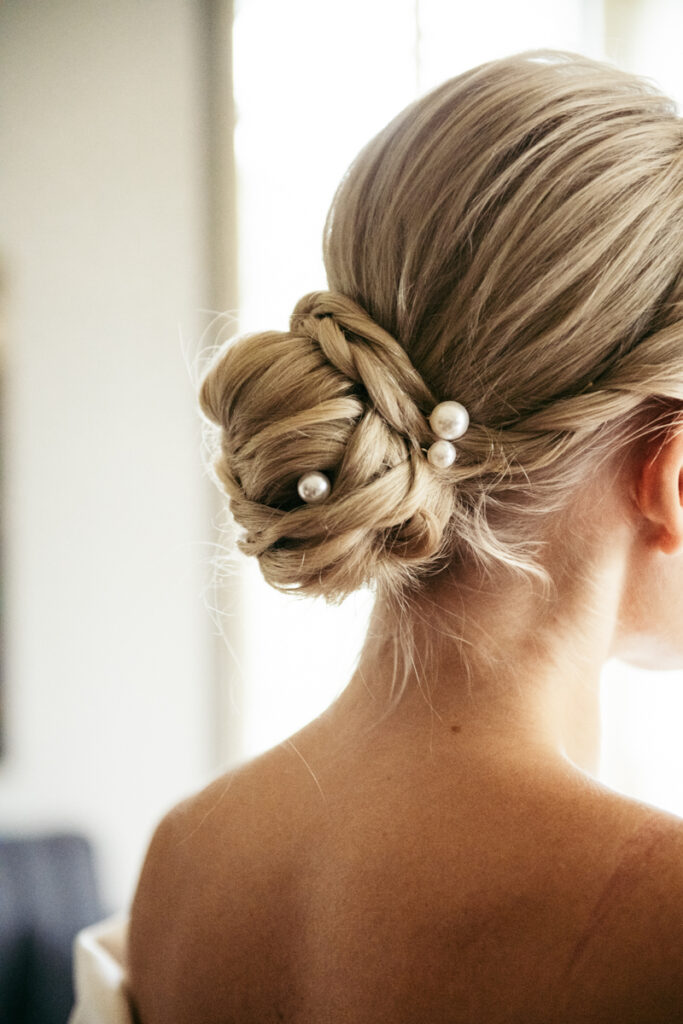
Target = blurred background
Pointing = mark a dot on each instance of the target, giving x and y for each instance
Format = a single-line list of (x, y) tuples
[(165, 170)]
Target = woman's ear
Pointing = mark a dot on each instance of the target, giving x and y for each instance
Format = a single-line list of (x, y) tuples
[(659, 490)]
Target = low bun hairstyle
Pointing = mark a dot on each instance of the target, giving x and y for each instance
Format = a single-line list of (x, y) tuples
[(338, 394), (512, 240)]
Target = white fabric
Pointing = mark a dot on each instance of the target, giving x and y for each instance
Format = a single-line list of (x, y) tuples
[(99, 974)]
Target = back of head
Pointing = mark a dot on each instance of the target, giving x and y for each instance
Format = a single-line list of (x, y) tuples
[(512, 241)]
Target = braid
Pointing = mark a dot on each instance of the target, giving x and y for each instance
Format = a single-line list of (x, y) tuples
[(389, 513)]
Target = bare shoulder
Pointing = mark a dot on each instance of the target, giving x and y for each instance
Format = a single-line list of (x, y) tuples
[(205, 856), (632, 939), (159, 909), (184, 840)]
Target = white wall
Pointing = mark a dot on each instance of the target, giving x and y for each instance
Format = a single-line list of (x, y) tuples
[(107, 660)]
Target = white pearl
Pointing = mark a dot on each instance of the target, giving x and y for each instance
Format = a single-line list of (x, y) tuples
[(449, 420), (313, 487), (442, 454)]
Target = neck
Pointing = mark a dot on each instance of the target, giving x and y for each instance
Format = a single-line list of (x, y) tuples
[(498, 664)]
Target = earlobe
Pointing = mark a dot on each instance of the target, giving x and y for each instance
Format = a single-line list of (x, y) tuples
[(659, 493)]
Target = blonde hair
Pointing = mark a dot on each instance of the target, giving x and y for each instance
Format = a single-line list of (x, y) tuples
[(511, 240)]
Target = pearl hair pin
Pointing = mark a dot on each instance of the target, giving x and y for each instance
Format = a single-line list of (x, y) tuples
[(313, 487), (448, 420)]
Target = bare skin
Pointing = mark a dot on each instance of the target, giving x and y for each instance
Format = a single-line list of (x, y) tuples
[(453, 861)]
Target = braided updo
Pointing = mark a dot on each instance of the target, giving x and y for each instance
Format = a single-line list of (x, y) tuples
[(513, 241), (339, 394)]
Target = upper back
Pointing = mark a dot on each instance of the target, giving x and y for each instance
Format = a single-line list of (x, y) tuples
[(363, 889)]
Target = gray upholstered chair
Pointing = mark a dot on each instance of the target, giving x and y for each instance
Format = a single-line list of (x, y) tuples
[(48, 892)]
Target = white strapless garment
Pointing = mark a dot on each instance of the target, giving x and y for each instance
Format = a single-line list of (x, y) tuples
[(100, 976)]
